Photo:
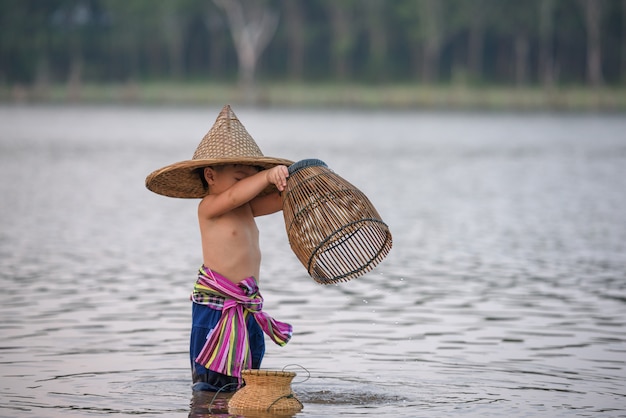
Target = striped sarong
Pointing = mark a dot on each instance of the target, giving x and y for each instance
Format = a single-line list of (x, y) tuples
[(227, 349)]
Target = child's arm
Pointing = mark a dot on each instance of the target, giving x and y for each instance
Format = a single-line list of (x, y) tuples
[(245, 191), (267, 204)]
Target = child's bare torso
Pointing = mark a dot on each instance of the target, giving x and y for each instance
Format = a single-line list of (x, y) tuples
[(230, 244)]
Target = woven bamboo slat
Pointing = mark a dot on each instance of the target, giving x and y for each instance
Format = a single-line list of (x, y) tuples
[(332, 227), (265, 391)]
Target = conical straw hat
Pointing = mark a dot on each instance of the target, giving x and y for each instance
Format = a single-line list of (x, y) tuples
[(227, 142)]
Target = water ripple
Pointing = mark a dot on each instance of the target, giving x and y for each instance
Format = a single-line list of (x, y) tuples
[(504, 293)]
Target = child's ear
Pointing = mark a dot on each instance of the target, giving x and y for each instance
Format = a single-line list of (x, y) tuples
[(209, 175)]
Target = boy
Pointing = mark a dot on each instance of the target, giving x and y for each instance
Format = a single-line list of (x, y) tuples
[(236, 183)]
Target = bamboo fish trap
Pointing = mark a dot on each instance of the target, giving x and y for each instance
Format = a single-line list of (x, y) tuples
[(265, 392), (332, 227)]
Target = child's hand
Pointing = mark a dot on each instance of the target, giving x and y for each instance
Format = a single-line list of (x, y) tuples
[(278, 176)]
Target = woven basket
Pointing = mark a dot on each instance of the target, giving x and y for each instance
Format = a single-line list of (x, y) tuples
[(266, 391), (332, 227)]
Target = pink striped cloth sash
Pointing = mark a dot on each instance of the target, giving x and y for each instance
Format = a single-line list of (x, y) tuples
[(227, 349)]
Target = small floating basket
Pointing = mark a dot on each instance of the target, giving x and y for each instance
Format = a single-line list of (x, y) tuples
[(266, 391), (332, 227)]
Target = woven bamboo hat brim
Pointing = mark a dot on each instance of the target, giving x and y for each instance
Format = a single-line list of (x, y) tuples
[(227, 142)]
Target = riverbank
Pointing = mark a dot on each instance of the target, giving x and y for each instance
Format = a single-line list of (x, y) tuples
[(400, 96)]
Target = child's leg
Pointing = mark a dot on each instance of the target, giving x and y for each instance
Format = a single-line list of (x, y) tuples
[(203, 320), (257, 342)]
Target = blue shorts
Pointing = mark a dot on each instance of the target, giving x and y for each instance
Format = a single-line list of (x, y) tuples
[(203, 320)]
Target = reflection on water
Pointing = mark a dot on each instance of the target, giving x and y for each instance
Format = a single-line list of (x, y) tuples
[(504, 293), (206, 404)]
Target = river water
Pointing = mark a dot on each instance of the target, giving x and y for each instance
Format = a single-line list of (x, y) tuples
[(504, 294)]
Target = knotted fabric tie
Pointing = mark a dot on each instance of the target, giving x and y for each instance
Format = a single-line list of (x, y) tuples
[(227, 349)]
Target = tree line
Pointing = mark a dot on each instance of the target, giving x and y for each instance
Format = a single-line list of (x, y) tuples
[(530, 42)]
